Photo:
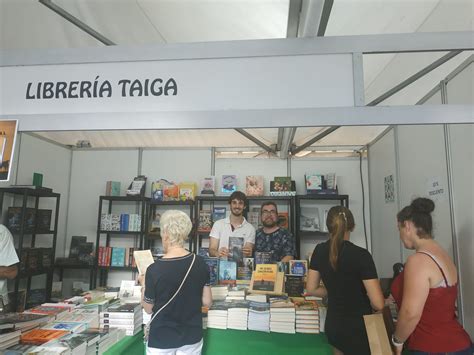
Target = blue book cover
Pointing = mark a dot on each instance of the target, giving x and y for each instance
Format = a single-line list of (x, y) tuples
[(118, 257), (227, 272), (218, 213), (124, 222), (213, 266)]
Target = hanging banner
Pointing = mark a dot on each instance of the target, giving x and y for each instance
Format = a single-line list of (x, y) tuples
[(273, 82), (8, 129)]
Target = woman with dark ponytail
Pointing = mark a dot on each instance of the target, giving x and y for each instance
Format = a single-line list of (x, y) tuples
[(350, 281), (426, 290)]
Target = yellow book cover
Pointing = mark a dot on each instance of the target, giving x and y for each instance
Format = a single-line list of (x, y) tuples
[(264, 278)]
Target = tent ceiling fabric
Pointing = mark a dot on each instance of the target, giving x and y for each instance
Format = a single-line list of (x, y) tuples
[(27, 24)]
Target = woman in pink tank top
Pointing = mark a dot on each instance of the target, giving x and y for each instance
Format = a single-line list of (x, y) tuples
[(426, 290)]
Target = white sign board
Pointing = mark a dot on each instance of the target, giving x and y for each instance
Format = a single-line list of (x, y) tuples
[(435, 189), (275, 82)]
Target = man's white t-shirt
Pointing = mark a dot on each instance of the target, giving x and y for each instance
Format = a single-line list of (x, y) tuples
[(222, 230), (8, 257)]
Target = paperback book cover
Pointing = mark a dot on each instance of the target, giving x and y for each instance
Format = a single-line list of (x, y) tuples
[(309, 219), (43, 220), (283, 219), (313, 181), (229, 183), (235, 250), (298, 267), (208, 186), (143, 259), (264, 277), (118, 257), (213, 266), (227, 272), (254, 185), (281, 183), (205, 221), (294, 285), (218, 213), (187, 191), (263, 257), (245, 272)]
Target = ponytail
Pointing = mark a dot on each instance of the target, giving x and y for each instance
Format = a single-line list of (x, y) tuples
[(339, 221)]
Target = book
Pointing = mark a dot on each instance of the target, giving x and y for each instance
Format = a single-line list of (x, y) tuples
[(43, 220), (20, 298), (227, 272), (218, 213), (263, 257), (187, 191), (254, 185), (229, 184), (35, 297), (118, 257), (71, 327), (112, 188), (264, 278), (76, 240), (313, 181), (281, 183), (41, 336), (244, 272), (213, 266), (137, 186), (143, 259), (309, 219), (171, 192), (235, 250), (205, 221), (298, 267), (57, 289), (207, 186), (157, 188), (283, 219), (14, 219), (294, 285), (154, 228)]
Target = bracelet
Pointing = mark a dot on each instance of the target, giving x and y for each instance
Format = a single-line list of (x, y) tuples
[(396, 342)]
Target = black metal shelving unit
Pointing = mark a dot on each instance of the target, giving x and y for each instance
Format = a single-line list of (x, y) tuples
[(153, 205), (142, 205), (28, 194), (200, 201), (343, 201)]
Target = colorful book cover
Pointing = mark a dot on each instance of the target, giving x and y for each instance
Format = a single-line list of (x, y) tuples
[(187, 191), (235, 250), (254, 185), (229, 183), (218, 213), (227, 272), (118, 257), (264, 277), (263, 257), (298, 267), (208, 185), (313, 181), (281, 183), (213, 266), (283, 219), (205, 221), (244, 272)]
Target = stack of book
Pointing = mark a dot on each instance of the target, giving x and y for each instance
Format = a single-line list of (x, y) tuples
[(8, 337), (23, 321), (217, 315), (88, 316), (107, 339), (70, 344), (282, 317), (219, 292), (307, 317), (120, 222), (128, 317), (236, 294), (41, 336), (259, 316), (256, 297), (109, 256), (71, 327), (237, 316), (204, 311)]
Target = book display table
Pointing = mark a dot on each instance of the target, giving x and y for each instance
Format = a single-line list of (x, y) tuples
[(238, 342)]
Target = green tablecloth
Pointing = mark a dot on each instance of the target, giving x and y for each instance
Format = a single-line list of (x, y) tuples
[(236, 342)]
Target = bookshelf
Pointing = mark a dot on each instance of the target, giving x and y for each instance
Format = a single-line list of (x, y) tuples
[(118, 206), (318, 201), (44, 256), (153, 238)]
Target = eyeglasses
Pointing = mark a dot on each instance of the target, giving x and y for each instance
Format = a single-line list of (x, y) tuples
[(267, 213)]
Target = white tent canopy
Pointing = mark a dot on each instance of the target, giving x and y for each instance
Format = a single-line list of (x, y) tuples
[(28, 24)]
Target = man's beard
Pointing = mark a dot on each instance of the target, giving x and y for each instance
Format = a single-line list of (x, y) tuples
[(237, 213), (269, 224)]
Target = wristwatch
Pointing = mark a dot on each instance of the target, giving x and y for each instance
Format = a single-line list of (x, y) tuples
[(396, 342)]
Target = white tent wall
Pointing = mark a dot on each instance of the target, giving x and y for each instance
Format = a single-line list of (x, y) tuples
[(417, 156), (385, 240), (349, 183)]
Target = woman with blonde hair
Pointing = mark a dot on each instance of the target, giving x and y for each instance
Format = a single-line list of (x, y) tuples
[(350, 281), (426, 290), (176, 287)]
